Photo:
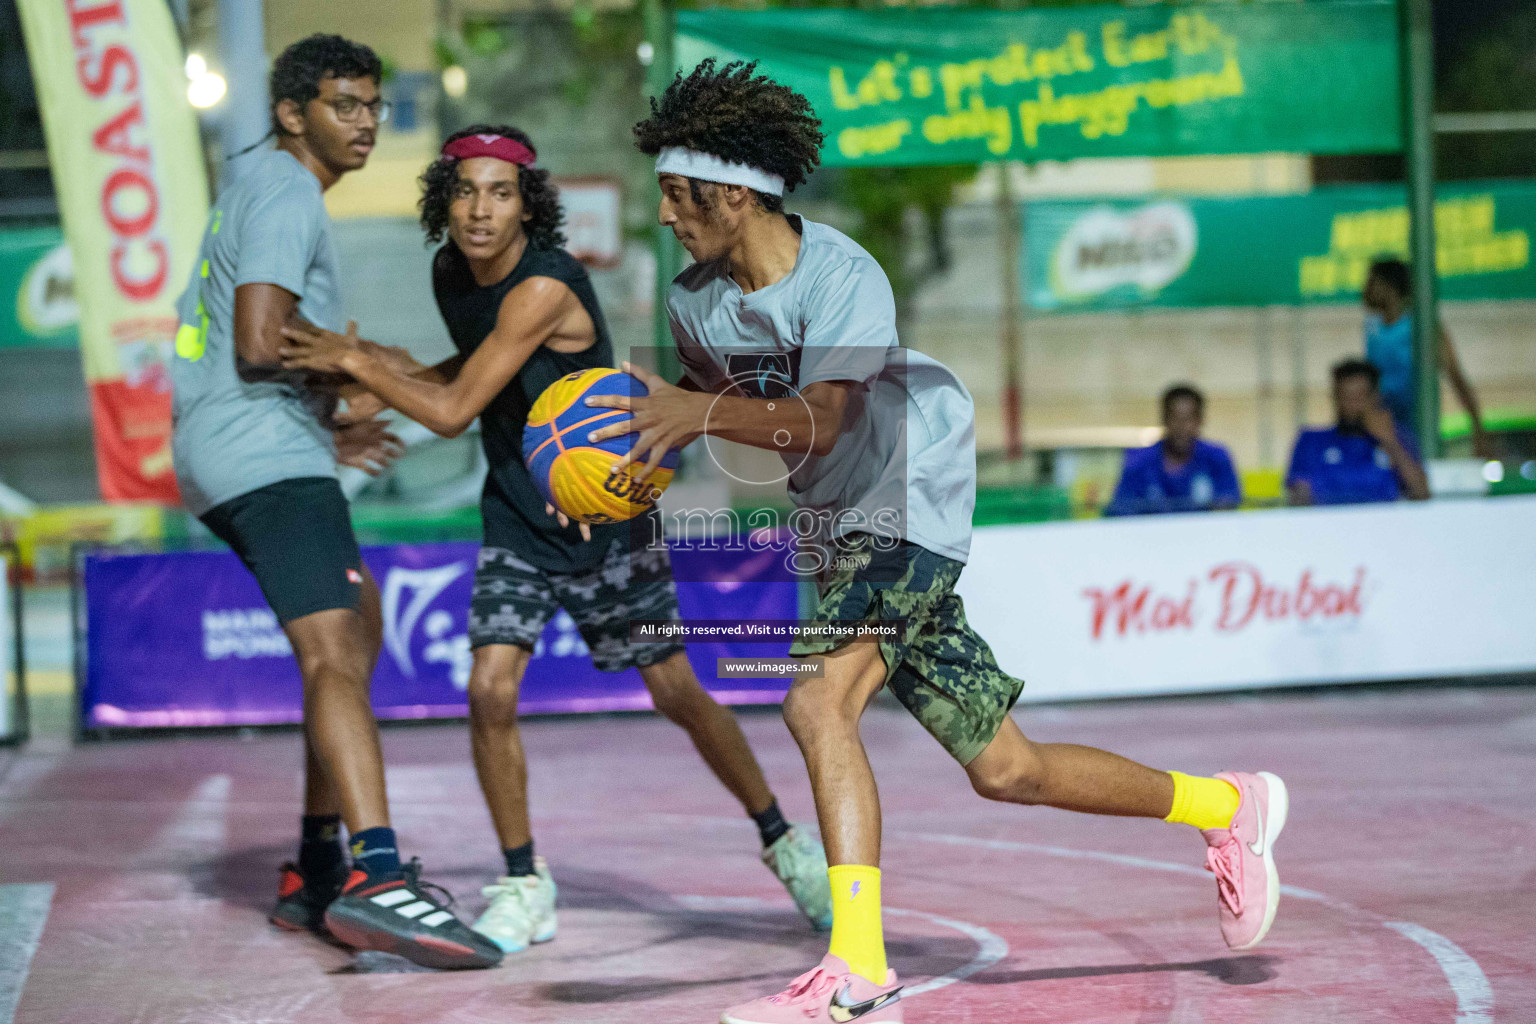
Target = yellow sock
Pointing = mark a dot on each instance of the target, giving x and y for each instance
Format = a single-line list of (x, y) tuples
[(1203, 803), (857, 936)]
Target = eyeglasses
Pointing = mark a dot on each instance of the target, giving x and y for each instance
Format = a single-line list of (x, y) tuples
[(350, 108)]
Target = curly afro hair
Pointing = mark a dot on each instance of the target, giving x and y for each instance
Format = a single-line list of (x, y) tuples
[(299, 70), (739, 116), (541, 199)]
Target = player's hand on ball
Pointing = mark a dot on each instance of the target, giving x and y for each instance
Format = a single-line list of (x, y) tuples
[(564, 520), (667, 418), (315, 348)]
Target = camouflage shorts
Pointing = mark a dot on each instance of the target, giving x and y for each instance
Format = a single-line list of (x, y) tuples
[(513, 601), (939, 668)]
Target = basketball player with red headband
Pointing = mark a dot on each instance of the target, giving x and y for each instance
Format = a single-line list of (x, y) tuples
[(522, 313)]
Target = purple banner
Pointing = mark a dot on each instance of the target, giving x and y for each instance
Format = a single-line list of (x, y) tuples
[(186, 639)]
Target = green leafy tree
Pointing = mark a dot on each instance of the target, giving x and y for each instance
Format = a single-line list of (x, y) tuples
[(883, 200)]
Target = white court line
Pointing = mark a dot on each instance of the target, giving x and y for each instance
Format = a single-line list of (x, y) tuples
[(23, 913), (200, 826), (990, 947), (1124, 860), (1474, 995)]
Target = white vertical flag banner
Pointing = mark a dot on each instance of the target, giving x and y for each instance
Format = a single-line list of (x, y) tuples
[(127, 168)]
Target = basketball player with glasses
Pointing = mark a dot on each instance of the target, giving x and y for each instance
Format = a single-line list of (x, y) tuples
[(256, 448)]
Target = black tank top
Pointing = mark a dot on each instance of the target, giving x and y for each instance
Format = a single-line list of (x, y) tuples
[(511, 506)]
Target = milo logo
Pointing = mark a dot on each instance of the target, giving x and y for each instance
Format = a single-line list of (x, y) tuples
[(1145, 248)]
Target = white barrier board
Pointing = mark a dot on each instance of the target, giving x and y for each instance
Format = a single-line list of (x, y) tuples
[(1171, 604)]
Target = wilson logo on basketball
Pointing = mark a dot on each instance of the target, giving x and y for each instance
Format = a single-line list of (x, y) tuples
[(624, 486), (1230, 598)]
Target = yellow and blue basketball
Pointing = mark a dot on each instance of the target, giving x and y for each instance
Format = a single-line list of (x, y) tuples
[(576, 475)]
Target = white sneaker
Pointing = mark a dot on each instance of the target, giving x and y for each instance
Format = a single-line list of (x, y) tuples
[(521, 911), (800, 863)]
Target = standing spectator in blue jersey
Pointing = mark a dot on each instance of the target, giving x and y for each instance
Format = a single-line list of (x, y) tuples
[(1364, 457), (1181, 473), (1388, 298)]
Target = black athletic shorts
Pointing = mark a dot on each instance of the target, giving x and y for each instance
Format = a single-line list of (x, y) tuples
[(296, 538)]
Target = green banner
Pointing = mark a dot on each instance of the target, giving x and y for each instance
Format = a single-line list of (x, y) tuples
[(1271, 249), (967, 86), (37, 290)]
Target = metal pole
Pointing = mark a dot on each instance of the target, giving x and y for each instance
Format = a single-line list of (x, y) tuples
[(1263, 350), (1417, 47), (21, 731), (243, 52), (1011, 337), (1298, 369), (180, 12), (658, 32)]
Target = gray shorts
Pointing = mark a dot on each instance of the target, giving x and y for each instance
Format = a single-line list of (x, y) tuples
[(513, 601)]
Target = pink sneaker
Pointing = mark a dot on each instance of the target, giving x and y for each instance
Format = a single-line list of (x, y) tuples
[(1242, 858), (829, 993)]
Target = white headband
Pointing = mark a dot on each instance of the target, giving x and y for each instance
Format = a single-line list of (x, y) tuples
[(690, 163)]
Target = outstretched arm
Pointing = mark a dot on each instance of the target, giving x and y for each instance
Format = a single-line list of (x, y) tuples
[(530, 314), (1464, 393), (363, 404)]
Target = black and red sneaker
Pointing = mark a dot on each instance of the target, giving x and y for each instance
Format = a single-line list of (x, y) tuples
[(301, 900), (399, 913)]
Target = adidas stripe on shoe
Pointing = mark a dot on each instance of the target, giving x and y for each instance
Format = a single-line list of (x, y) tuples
[(399, 913)]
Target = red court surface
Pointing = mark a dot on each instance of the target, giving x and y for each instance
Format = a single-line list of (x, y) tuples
[(1410, 861)]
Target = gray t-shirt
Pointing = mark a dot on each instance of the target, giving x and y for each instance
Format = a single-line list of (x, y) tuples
[(231, 437), (905, 463)]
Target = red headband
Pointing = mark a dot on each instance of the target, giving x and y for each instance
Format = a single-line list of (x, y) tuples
[(498, 146)]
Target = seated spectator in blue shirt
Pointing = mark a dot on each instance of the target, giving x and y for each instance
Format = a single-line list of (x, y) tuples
[(1181, 473), (1364, 457)]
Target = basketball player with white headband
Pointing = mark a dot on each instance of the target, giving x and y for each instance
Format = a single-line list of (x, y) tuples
[(522, 313), (880, 446)]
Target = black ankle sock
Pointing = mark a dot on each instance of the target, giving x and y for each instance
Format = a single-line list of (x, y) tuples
[(374, 851), (520, 860), (320, 851), (771, 824)]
